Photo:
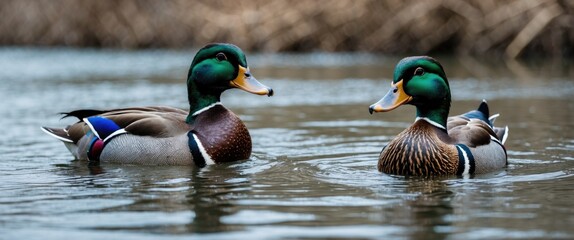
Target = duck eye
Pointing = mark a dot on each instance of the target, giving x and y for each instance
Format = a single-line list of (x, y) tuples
[(221, 57), (419, 71)]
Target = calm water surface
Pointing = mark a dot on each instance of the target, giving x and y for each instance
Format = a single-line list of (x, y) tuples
[(313, 169)]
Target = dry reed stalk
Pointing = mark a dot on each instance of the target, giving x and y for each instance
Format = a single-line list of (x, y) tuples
[(532, 29), (512, 28)]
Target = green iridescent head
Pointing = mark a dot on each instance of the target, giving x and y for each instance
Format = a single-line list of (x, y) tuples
[(216, 68), (221, 66), (419, 81)]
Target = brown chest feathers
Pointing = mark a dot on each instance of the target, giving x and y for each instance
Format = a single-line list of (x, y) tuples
[(418, 151), (223, 135)]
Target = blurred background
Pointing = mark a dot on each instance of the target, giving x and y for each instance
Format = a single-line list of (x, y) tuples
[(507, 29), (312, 173)]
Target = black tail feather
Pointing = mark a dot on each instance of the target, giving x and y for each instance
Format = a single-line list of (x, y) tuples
[(82, 113), (481, 113), (483, 108)]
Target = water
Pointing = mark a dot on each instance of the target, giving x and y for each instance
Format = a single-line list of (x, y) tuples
[(313, 169)]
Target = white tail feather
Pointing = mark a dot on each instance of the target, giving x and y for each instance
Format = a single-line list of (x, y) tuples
[(56, 136), (505, 136), (493, 118)]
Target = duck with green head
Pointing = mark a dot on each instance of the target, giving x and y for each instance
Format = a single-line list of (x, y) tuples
[(206, 134), (437, 144)]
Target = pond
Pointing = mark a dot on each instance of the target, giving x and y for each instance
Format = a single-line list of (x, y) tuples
[(313, 171)]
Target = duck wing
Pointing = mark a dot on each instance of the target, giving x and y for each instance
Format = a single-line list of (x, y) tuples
[(475, 128), (157, 122)]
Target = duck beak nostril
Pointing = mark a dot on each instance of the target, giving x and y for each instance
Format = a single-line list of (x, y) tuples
[(247, 82)]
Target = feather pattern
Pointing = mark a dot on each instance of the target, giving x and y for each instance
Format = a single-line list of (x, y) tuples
[(208, 134), (418, 151), (425, 149), (158, 135), (437, 144)]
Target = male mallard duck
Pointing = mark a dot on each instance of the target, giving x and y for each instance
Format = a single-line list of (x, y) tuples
[(207, 134), (437, 144)]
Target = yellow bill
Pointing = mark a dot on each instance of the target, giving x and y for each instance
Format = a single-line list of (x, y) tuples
[(246, 82), (393, 99)]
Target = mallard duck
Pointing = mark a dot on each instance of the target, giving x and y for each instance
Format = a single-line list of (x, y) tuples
[(208, 134), (437, 144)]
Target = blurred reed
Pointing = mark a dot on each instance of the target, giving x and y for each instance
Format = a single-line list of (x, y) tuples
[(508, 28)]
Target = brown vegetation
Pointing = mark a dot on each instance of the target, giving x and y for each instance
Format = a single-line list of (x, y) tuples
[(511, 28)]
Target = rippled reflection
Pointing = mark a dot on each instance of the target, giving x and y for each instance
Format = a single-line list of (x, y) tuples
[(313, 169)]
